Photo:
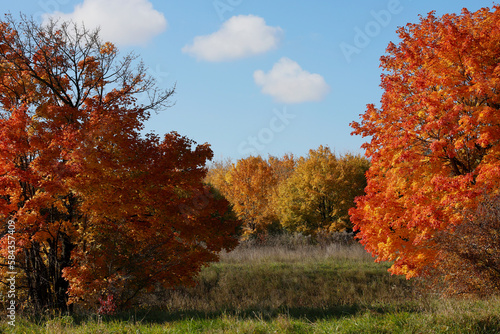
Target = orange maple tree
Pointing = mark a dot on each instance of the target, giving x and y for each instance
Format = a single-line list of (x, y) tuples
[(250, 185), (435, 138), (99, 209)]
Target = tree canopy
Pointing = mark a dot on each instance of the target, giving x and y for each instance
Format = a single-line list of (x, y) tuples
[(320, 191), (249, 188), (434, 141), (96, 205)]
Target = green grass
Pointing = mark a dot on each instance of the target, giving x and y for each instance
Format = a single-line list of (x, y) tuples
[(288, 289), (445, 317)]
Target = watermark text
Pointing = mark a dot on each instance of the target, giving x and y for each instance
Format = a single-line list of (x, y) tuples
[(223, 6), (364, 36), (11, 273)]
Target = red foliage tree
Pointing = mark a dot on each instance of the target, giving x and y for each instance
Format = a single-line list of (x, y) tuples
[(98, 208)]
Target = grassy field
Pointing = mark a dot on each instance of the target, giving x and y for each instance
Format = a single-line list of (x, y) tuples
[(290, 286)]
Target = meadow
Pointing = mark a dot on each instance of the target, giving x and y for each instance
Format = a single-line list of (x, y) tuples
[(289, 285)]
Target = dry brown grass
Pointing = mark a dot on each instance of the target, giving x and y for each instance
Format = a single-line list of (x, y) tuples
[(291, 273), (293, 254)]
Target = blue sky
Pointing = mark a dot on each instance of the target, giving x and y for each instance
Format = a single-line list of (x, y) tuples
[(255, 77)]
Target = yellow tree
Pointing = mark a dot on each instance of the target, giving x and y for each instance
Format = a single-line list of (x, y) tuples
[(216, 175), (282, 167), (320, 191)]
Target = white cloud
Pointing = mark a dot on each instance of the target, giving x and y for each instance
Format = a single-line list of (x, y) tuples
[(239, 37), (287, 82), (122, 22)]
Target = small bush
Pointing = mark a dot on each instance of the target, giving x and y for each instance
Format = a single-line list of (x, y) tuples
[(470, 253)]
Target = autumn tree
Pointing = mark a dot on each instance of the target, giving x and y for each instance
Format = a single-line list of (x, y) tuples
[(96, 206), (318, 194), (434, 141), (250, 183), (282, 167), (251, 186), (216, 175)]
